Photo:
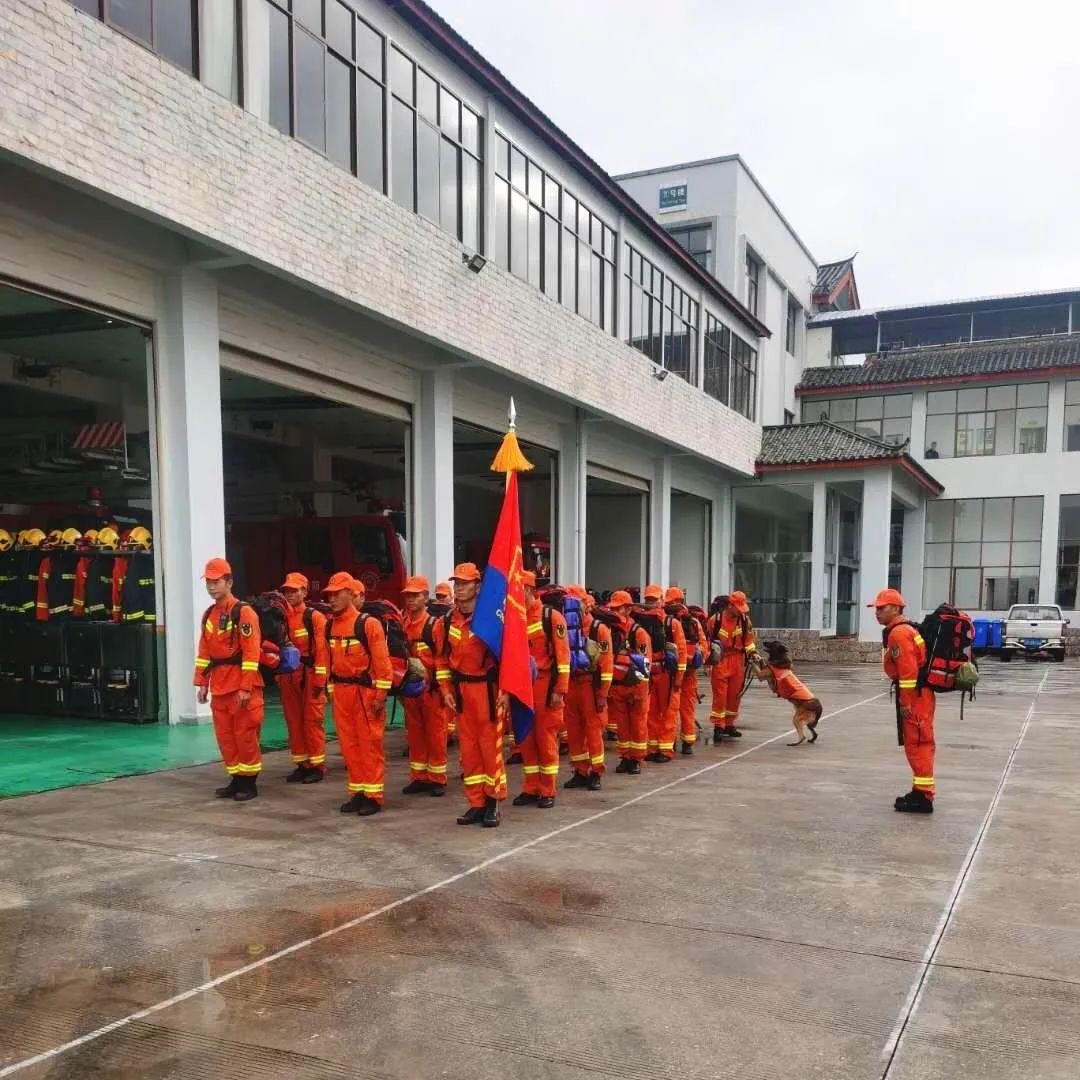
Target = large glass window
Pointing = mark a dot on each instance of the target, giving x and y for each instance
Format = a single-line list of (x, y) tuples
[(743, 377), (980, 421), (1068, 561), (717, 360), (551, 239), (1071, 440), (884, 417), (219, 64), (697, 241), (753, 281), (662, 319), (982, 554)]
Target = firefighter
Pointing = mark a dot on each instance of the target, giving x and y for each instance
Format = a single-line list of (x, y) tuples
[(904, 656), (444, 592), (729, 627), (628, 702), (586, 701), (227, 671), (360, 677), (696, 643), (425, 715), (665, 689), (550, 652), (469, 675), (303, 691)]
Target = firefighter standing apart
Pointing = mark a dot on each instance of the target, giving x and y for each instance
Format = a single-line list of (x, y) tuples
[(550, 652), (730, 628), (360, 679), (227, 672), (425, 715), (469, 673), (586, 701), (303, 691), (903, 658)]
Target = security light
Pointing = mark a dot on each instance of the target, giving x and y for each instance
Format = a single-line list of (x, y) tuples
[(660, 374), (475, 262)]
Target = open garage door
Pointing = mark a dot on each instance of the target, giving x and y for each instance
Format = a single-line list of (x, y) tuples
[(478, 494), (616, 530), (691, 545), (313, 481)]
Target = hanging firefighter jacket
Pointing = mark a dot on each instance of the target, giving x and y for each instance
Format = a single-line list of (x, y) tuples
[(98, 591), (60, 590), (116, 588), (137, 589), (8, 561), (78, 591), (24, 587)]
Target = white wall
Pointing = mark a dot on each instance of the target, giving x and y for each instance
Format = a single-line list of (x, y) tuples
[(818, 347)]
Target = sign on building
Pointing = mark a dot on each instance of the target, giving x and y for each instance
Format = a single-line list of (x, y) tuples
[(673, 197)]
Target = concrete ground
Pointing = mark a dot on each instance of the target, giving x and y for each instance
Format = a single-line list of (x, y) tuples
[(753, 911)]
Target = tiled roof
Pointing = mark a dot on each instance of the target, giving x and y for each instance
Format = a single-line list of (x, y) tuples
[(829, 275), (943, 362)]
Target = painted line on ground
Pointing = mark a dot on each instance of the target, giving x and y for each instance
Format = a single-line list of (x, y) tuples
[(306, 943), (914, 997)]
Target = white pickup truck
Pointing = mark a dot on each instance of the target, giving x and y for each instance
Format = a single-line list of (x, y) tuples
[(1034, 630)]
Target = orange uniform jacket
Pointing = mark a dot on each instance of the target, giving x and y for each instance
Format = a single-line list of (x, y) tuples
[(549, 654), (905, 655), (315, 654), (229, 647), (426, 651), (465, 654), (605, 664), (736, 635), (358, 652)]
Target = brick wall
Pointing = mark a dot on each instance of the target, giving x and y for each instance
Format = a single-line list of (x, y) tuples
[(80, 100)]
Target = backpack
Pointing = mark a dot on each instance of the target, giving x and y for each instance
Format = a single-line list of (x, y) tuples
[(277, 654), (630, 666), (948, 635), (659, 626), (695, 657), (322, 607), (406, 681), (582, 660)]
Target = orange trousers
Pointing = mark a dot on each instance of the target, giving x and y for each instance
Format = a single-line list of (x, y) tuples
[(360, 726), (585, 726), (663, 713), (688, 703), (540, 748), (629, 708), (727, 680), (304, 718), (237, 730), (425, 732), (480, 737), (919, 744)]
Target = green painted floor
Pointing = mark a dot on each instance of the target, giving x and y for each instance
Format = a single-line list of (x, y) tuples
[(40, 753)]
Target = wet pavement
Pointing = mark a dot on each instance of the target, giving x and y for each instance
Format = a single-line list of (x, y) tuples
[(754, 911)]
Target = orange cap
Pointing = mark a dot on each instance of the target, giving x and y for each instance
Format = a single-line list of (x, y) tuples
[(444, 588), (738, 601), (216, 569), (653, 592), (528, 579), (620, 598), (294, 580), (343, 580), (416, 584), (888, 596), (674, 595), (465, 571), (579, 592)]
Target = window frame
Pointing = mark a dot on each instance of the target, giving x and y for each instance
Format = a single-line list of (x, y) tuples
[(754, 266), (791, 325), (646, 284), (813, 407), (678, 232), (986, 434)]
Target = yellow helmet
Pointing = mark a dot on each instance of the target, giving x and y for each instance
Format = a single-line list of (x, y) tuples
[(53, 539), (108, 539), (6, 540), (70, 538), (31, 538), (139, 539), (88, 539)]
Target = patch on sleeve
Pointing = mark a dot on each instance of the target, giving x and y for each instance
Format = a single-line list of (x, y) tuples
[(246, 629), (894, 652), (560, 630), (604, 646)]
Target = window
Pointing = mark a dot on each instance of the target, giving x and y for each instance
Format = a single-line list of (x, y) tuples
[(753, 280), (982, 553), (1068, 561), (981, 421), (886, 418), (1071, 439), (369, 548), (549, 238), (219, 63), (313, 547), (717, 362), (697, 241), (743, 377), (791, 327), (663, 319), (166, 26)]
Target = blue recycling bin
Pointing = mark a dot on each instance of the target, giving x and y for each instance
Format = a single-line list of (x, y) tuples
[(997, 634), (982, 634)]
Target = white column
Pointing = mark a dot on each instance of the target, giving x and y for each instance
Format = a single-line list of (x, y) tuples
[(720, 561), (322, 471), (191, 525), (1048, 553), (433, 475), (874, 553), (911, 568), (660, 523), (571, 514), (817, 556), (918, 444)]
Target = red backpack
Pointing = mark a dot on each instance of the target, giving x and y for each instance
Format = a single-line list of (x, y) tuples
[(949, 634)]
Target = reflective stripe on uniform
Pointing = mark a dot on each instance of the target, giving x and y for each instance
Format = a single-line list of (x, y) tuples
[(908, 684), (202, 663), (534, 628), (383, 684)]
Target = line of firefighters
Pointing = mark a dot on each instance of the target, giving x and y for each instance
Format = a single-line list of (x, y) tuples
[(621, 671)]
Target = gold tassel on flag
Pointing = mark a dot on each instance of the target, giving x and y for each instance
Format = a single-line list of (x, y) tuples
[(509, 457)]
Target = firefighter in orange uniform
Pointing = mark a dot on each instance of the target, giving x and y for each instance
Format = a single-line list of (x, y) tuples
[(628, 701), (444, 594), (904, 655), (731, 629), (227, 672), (694, 632), (469, 674), (360, 679), (550, 651), (303, 692), (665, 690), (425, 716), (587, 701)]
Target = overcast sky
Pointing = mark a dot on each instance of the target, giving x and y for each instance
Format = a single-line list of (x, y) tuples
[(938, 139)]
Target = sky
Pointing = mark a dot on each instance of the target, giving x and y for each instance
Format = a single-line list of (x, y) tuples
[(939, 140)]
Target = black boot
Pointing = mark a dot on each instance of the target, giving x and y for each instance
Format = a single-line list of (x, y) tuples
[(545, 802), (315, 775), (298, 775), (610, 736), (246, 789), (717, 734), (594, 781), (577, 780), (525, 799), (624, 765), (415, 787), (368, 806), (491, 813), (655, 756), (687, 749), (564, 749), (351, 805), (437, 791), (229, 790), (635, 767), (732, 733), (914, 802), (473, 816)]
